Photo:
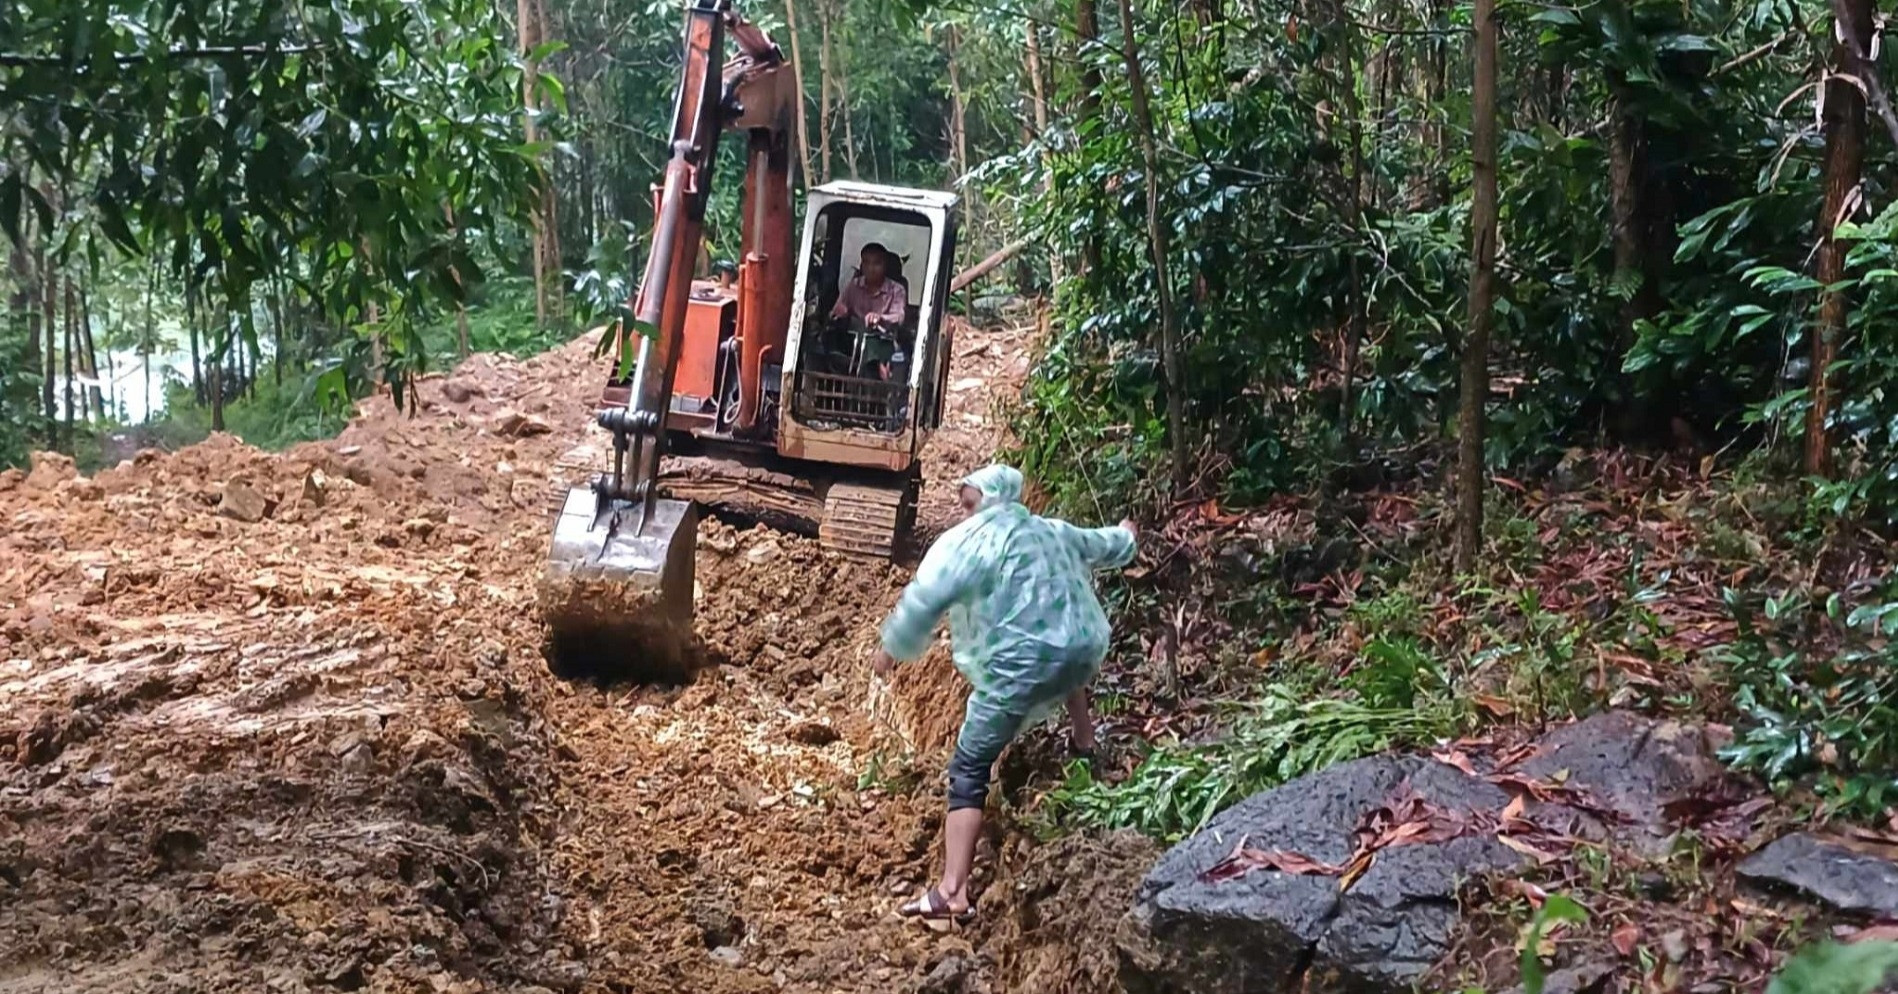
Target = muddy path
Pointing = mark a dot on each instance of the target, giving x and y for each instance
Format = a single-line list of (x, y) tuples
[(280, 722)]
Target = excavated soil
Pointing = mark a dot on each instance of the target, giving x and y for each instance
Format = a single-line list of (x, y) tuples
[(281, 722)]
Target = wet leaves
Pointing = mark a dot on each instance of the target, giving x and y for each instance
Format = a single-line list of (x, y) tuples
[(1405, 819)]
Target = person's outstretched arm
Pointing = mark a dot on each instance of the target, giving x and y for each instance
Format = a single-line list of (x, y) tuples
[(1100, 548), (947, 572)]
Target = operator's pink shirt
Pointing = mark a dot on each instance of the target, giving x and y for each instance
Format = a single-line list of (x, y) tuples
[(888, 300)]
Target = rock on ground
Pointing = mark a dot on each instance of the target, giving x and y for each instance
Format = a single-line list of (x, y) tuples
[(1274, 931), (1848, 875), (1632, 765), (1271, 931)]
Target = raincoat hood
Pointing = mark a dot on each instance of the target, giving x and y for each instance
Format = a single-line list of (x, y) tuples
[(997, 484)]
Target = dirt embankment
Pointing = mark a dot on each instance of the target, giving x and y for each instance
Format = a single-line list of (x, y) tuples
[(280, 722)]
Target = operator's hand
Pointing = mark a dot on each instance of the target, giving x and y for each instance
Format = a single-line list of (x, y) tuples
[(883, 664), (841, 310), (1132, 529)]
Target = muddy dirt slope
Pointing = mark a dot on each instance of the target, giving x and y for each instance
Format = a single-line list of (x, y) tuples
[(279, 722)]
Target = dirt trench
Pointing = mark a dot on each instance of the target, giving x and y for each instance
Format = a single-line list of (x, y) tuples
[(279, 722)]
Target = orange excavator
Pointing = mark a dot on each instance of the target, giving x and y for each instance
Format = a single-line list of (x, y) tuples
[(771, 399)]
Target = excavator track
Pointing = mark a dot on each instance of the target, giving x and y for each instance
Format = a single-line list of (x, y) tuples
[(856, 519), (866, 520)]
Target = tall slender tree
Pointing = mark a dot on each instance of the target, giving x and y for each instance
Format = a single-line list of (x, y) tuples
[(1158, 248), (1844, 125), (1470, 419)]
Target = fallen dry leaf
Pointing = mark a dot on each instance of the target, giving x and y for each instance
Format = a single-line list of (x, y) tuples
[(1883, 932), (1625, 938)]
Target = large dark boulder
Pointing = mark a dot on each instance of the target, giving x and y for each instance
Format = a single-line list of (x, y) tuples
[(1849, 875), (1269, 931), (1633, 766)]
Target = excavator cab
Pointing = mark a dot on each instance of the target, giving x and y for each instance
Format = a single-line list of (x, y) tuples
[(863, 394)]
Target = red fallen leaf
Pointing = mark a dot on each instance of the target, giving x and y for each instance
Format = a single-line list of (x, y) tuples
[(1494, 705), (1244, 861), (1456, 758), (1504, 481), (1542, 858), (1355, 869), (1523, 889), (1625, 938), (1516, 755), (1882, 932)]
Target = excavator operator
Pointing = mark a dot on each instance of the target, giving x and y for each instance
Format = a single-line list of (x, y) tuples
[(875, 306)]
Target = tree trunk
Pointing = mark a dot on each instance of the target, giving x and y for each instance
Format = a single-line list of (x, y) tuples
[(49, 318), (1627, 171), (89, 354), (547, 276), (217, 396), (1038, 102), (454, 273), (72, 342), (843, 110), (149, 343), (23, 306), (797, 74), (1475, 385), (823, 91), (1844, 158), (197, 368), (959, 135), (1428, 186), (1157, 244), (1354, 207), (1087, 30)]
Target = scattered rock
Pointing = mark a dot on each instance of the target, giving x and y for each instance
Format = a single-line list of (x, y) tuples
[(242, 502), (1848, 874), (1588, 978), (50, 469), (763, 552), (315, 489), (812, 733), (517, 425), (82, 488), (950, 976), (11, 479), (729, 956), (460, 392), (177, 848), (361, 758), (1268, 931)]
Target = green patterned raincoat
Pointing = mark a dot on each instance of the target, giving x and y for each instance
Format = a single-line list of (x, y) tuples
[(1024, 623)]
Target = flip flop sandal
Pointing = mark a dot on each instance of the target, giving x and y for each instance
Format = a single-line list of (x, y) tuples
[(933, 907)]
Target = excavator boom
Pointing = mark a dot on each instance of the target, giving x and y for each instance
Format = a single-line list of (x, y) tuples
[(617, 594)]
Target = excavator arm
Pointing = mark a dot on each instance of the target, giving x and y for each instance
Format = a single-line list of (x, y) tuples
[(620, 567), (754, 93)]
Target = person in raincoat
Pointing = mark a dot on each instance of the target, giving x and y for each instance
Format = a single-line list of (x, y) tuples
[(1027, 631)]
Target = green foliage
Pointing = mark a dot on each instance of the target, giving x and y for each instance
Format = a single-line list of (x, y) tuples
[(1279, 738), (500, 319), (1832, 968), (1819, 693), (1556, 910), (274, 417), (19, 398), (240, 145)]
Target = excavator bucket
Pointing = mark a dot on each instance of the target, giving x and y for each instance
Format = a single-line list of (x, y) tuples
[(617, 596)]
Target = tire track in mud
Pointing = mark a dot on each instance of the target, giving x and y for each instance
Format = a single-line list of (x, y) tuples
[(278, 721)]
